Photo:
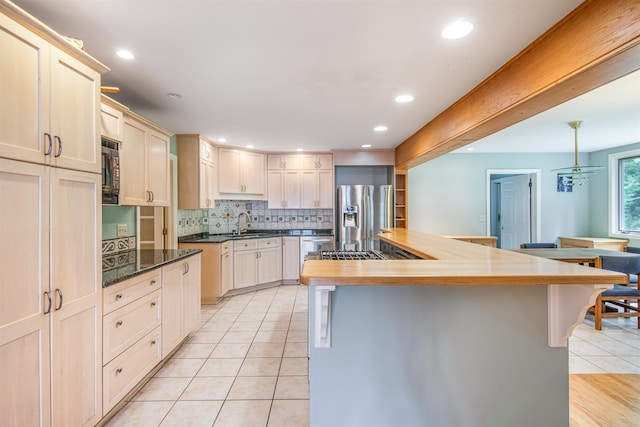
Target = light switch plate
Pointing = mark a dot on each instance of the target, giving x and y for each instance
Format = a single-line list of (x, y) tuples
[(122, 230)]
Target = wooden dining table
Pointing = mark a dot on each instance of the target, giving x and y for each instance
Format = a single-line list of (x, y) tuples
[(587, 256)]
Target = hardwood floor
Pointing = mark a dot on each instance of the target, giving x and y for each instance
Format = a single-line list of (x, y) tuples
[(604, 400)]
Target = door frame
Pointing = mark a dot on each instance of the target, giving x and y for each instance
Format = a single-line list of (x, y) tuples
[(536, 199)]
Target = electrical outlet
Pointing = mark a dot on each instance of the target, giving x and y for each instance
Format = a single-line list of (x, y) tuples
[(122, 230)]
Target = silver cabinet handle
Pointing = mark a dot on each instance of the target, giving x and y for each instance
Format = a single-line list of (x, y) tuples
[(59, 306), (118, 323), (152, 195), (118, 297), (48, 295), (59, 153), (118, 371), (50, 147)]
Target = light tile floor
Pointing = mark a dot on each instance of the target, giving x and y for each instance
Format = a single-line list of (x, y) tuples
[(246, 365), (613, 350)]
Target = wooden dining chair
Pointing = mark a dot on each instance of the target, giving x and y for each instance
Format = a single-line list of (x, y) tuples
[(538, 246), (622, 295)]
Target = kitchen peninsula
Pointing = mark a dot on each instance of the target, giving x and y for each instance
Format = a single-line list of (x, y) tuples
[(469, 335)]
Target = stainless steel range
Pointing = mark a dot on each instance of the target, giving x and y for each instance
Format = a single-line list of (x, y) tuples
[(352, 255)]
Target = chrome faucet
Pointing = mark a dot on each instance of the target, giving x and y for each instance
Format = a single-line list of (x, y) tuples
[(238, 229)]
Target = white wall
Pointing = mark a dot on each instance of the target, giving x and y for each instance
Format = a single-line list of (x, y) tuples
[(448, 195)]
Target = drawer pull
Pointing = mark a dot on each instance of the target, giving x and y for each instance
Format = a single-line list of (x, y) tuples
[(118, 371), (153, 304), (118, 323), (118, 297), (153, 282), (153, 342)]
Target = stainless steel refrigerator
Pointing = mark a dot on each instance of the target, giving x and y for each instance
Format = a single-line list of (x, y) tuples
[(361, 211)]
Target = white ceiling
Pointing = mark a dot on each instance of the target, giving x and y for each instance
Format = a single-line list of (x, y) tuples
[(314, 74)]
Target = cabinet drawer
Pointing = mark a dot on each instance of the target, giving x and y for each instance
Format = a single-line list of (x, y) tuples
[(245, 245), (126, 325), (126, 370), (269, 243), (121, 294)]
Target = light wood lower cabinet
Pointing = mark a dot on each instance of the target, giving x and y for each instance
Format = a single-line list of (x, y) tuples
[(291, 259), (145, 318), (215, 269), (130, 367), (256, 261), (181, 301)]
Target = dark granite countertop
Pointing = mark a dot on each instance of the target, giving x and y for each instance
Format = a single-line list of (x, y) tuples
[(124, 265), (253, 234)]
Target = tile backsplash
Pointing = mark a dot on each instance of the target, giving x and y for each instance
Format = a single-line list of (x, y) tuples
[(223, 218)]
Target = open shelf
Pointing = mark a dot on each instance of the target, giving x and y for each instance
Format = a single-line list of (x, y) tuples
[(401, 198)]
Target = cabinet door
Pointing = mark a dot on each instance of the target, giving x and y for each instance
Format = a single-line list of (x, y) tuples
[(245, 269), (309, 189), (24, 278), (75, 125), (210, 185), (157, 168), (291, 258), (292, 188), (171, 306), (24, 91), (325, 189), (132, 164), (229, 178), (269, 265), (76, 226), (191, 295), (275, 189), (225, 273), (253, 173), (111, 122)]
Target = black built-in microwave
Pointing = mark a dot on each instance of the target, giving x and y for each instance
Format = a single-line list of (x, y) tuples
[(110, 172)]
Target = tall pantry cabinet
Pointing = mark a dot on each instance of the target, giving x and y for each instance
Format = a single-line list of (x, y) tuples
[(50, 228)]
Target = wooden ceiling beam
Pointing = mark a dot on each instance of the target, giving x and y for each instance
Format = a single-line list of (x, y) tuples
[(595, 44)]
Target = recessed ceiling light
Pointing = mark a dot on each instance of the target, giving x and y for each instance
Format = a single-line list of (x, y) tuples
[(174, 95), (125, 54), (366, 146), (470, 149), (380, 128), (457, 29), (404, 98), (298, 149), (222, 139), (250, 146)]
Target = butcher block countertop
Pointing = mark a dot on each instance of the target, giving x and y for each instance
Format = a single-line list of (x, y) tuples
[(447, 261)]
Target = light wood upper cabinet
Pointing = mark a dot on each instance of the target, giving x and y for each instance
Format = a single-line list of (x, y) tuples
[(317, 189), (317, 161), (38, 123), (241, 173), (144, 163), (284, 161), (196, 172), (284, 189), (111, 118)]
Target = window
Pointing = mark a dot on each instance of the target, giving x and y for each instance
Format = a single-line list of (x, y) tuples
[(629, 194), (624, 172)]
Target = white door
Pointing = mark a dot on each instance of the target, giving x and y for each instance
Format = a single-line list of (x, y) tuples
[(515, 211)]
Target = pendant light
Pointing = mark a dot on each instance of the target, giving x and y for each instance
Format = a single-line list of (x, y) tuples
[(576, 174)]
